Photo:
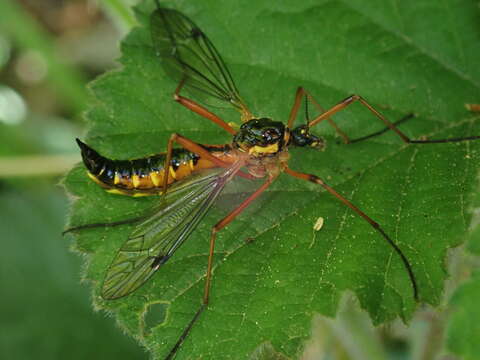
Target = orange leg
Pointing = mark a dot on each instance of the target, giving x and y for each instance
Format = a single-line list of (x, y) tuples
[(375, 225), (197, 149), (473, 107), (218, 226), (224, 222), (351, 99), (200, 110), (187, 144), (301, 92)]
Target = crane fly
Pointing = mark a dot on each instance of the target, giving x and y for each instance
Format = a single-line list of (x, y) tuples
[(188, 179)]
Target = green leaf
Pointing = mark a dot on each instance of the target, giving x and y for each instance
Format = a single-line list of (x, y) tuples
[(418, 56)]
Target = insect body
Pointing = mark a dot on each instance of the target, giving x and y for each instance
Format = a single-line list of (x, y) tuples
[(190, 179), (261, 142), (145, 176)]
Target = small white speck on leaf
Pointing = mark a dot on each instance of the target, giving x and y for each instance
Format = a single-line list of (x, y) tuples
[(318, 224)]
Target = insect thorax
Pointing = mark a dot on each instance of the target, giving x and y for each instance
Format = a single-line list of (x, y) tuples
[(260, 138)]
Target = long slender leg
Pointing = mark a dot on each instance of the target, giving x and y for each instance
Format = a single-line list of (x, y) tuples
[(301, 92), (97, 225), (473, 107), (193, 147), (185, 333), (375, 225), (352, 98), (224, 222), (200, 110), (215, 229), (187, 144), (383, 131)]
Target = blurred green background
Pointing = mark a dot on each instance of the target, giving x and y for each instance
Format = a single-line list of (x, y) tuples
[(49, 51)]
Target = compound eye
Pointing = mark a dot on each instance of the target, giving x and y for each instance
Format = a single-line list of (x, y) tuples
[(270, 134), (303, 130)]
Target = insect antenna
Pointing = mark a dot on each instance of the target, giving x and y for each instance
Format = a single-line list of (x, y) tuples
[(307, 114)]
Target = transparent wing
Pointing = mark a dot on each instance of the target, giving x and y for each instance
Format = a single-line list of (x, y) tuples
[(155, 240), (188, 55)]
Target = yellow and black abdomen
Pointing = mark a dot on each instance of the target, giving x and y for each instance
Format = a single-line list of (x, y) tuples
[(140, 177)]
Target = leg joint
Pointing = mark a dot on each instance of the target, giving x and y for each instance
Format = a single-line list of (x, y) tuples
[(314, 179), (351, 99)]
